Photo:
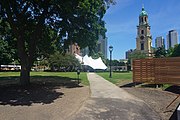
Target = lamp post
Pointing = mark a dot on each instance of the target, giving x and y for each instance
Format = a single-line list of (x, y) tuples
[(14, 64), (78, 73), (110, 50)]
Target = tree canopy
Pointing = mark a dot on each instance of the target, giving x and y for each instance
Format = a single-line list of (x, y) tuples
[(59, 62), (5, 53), (176, 51), (35, 25), (160, 52), (171, 52), (137, 55), (115, 63)]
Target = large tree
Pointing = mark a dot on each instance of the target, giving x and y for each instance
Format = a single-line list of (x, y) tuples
[(72, 21), (176, 51)]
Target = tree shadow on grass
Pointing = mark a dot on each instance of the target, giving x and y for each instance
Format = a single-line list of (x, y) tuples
[(57, 80), (43, 89)]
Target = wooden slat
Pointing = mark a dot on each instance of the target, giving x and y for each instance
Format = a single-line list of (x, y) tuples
[(157, 70)]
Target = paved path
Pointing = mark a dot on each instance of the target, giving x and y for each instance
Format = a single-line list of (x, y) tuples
[(109, 102)]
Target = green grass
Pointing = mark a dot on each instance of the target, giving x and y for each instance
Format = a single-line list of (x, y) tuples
[(117, 77), (121, 78), (71, 75), (165, 86), (10, 76)]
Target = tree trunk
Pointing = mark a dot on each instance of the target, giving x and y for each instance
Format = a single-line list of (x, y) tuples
[(24, 76)]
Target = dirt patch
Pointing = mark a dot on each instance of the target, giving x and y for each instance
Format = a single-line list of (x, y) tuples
[(157, 99), (41, 102)]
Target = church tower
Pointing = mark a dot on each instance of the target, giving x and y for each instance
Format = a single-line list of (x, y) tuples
[(144, 38)]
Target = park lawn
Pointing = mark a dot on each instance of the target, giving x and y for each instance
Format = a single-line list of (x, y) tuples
[(9, 74), (55, 75), (117, 77)]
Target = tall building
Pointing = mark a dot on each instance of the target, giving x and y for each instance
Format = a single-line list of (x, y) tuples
[(172, 38), (128, 53), (102, 45), (73, 49), (159, 42), (144, 38), (85, 51)]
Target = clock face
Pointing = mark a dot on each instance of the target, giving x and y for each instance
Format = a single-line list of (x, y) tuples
[(142, 37)]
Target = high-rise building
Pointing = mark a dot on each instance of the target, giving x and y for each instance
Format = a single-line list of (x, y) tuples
[(102, 46), (128, 53), (85, 51), (159, 42), (172, 38), (73, 49), (144, 38)]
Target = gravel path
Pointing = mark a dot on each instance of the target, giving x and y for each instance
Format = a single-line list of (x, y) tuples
[(158, 100)]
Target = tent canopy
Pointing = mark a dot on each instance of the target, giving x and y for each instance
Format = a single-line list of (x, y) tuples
[(94, 63)]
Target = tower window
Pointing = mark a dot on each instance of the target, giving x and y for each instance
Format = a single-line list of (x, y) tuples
[(142, 31), (142, 46), (145, 19), (142, 19)]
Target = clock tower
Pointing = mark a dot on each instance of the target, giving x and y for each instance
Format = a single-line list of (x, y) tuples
[(144, 38)]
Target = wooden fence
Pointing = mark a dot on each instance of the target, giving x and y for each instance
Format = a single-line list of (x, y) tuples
[(157, 70)]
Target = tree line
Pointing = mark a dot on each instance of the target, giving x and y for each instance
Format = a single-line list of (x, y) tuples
[(171, 52)]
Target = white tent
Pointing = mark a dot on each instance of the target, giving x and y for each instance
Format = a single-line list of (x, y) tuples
[(79, 58), (94, 63)]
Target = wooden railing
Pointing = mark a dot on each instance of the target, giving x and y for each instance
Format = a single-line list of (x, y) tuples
[(157, 70)]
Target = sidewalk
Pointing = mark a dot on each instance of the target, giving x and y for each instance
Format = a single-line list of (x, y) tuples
[(109, 102), (101, 88)]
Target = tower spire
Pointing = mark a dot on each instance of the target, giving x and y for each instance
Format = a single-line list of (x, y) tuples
[(142, 4), (143, 12)]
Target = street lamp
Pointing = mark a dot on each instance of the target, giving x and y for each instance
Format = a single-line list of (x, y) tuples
[(78, 73), (110, 50)]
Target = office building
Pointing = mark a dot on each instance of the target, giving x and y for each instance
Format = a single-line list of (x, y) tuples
[(73, 49), (102, 46), (159, 42), (172, 38), (85, 51), (128, 53)]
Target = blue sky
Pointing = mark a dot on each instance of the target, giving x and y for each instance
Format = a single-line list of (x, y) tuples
[(121, 21)]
